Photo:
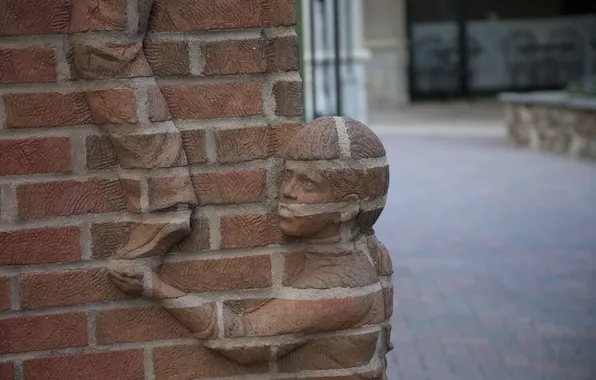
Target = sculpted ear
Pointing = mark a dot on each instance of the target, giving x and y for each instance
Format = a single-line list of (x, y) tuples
[(351, 198)]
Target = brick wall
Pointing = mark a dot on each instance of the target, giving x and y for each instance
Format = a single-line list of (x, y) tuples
[(228, 71)]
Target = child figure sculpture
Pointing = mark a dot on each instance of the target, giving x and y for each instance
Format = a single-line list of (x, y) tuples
[(331, 306)]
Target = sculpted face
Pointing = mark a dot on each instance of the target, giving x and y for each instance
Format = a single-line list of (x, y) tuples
[(302, 193)]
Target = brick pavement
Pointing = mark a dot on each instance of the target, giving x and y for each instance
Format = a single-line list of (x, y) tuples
[(494, 251)]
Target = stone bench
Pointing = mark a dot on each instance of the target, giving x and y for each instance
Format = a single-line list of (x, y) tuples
[(552, 121)]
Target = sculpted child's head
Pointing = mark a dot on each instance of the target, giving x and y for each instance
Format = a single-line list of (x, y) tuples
[(336, 176)]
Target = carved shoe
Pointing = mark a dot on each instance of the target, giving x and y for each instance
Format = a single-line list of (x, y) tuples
[(152, 239)]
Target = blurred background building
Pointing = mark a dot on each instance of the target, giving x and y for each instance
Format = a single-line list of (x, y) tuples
[(362, 56)]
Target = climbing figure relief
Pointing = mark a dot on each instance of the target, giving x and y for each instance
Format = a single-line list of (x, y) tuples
[(329, 305)]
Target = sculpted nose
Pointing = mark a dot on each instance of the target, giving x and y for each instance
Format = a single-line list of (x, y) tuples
[(287, 190)]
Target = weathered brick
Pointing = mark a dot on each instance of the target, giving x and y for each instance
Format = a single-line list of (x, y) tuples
[(185, 15), (67, 288), (42, 245), (138, 325), (109, 61), (198, 238), (234, 57), (331, 353), (125, 365), (106, 238), (279, 137), (27, 65), (89, 15), (243, 144), (5, 297), (279, 12), (168, 192), (46, 110), (43, 200), (191, 362), (30, 17), (43, 333), (232, 186), (32, 156), (114, 106), (218, 274), (249, 230), (100, 153), (168, 58), (213, 100), (194, 146), (282, 54), (306, 270), (6, 371), (288, 98)]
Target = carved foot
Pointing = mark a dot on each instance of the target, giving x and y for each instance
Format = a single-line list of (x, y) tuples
[(147, 240)]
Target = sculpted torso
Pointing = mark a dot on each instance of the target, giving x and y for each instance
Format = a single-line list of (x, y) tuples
[(332, 292)]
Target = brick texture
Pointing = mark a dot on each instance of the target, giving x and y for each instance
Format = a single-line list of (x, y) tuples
[(32, 156), (234, 186), (99, 121), (213, 100), (67, 288), (27, 65), (100, 366), (45, 200), (218, 275), (43, 333), (231, 58), (5, 294), (249, 230), (138, 325), (42, 245)]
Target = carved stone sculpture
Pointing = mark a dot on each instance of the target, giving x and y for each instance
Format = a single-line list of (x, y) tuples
[(332, 299)]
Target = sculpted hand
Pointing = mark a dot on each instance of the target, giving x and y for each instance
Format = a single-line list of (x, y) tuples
[(128, 275)]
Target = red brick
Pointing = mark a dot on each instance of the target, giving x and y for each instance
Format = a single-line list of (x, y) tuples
[(213, 100), (234, 57), (42, 245), (67, 288), (89, 15), (167, 192), (46, 110), (5, 297), (115, 106), (191, 362), (249, 230), (193, 143), (233, 186), (168, 58), (218, 274), (331, 353), (6, 371), (198, 238), (288, 98), (100, 153), (138, 325), (32, 156), (243, 144), (29, 17), (27, 65), (106, 238), (43, 333), (280, 136), (185, 15), (121, 365), (279, 12), (43, 200), (108, 61), (282, 54)]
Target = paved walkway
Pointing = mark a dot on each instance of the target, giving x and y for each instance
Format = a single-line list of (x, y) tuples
[(494, 251)]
